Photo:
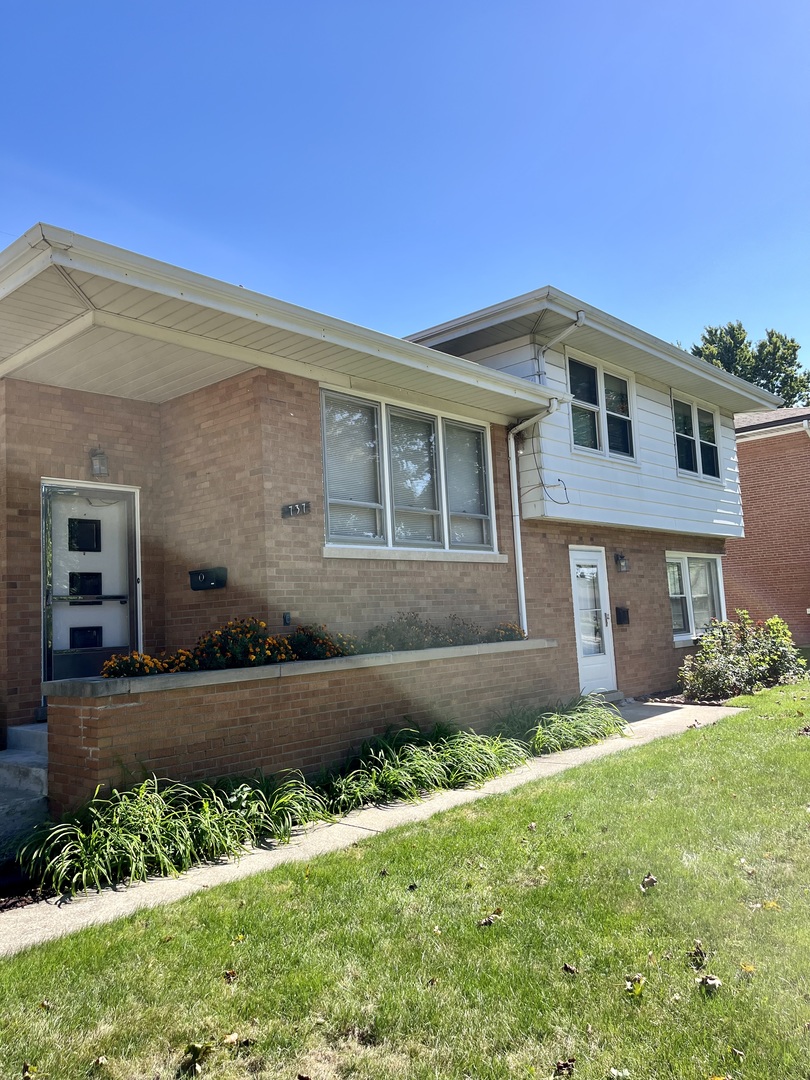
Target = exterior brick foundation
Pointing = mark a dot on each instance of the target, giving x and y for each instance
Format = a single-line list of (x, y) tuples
[(293, 716)]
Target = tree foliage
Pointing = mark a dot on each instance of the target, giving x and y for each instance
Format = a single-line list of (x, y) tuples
[(772, 363)]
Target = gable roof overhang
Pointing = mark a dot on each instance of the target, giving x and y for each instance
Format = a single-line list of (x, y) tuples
[(543, 315), (84, 315)]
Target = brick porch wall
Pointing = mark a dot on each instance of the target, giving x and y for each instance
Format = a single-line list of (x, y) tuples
[(295, 716), (768, 572)]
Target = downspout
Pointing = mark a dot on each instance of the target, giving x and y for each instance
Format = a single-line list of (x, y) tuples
[(539, 351), (514, 488)]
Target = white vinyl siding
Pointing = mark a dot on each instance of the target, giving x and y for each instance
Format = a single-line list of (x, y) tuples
[(695, 584), (396, 477)]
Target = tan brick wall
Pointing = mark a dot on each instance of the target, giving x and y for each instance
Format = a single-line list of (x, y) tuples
[(215, 467), (646, 658), (50, 432), (306, 722), (768, 572)]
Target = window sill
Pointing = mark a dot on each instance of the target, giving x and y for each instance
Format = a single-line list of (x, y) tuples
[(716, 481), (600, 455), (684, 643), (345, 551)]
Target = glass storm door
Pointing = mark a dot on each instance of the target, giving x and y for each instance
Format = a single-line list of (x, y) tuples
[(90, 578), (597, 669)]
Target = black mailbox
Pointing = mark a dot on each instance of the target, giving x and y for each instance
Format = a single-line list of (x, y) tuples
[(622, 616), (216, 577)]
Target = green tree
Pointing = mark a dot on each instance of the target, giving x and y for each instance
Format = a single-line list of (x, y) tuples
[(773, 363)]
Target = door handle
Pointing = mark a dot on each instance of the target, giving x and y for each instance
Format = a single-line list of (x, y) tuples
[(607, 618)]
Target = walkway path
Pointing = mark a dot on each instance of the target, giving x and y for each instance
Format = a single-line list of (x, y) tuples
[(49, 919)]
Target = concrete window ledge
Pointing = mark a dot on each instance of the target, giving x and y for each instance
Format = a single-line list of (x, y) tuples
[(146, 684)]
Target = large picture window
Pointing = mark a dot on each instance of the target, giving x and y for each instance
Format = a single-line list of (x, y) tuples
[(696, 439), (600, 413), (401, 478), (695, 593)]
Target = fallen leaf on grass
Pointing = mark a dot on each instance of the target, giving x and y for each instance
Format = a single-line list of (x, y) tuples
[(238, 939), (413, 887), (488, 920), (772, 905), (738, 1054), (230, 976), (383, 872), (532, 826), (570, 969), (697, 956), (231, 1040), (634, 984), (747, 971), (648, 882), (620, 1074), (28, 1071), (709, 984), (46, 1005), (565, 1068), (99, 1062)]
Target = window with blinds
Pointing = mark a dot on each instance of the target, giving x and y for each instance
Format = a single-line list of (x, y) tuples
[(399, 478)]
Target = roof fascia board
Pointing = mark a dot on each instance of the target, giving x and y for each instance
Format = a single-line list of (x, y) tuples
[(550, 299), (127, 268), (750, 434)]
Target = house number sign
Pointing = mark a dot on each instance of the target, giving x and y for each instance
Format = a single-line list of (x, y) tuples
[(295, 509)]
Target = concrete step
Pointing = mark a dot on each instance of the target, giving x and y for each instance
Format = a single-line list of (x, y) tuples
[(23, 773), (613, 697), (32, 737), (19, 816)]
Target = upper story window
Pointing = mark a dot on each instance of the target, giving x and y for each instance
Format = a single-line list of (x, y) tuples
[(601, 411), (401, 478), (696, 444), (695, 593)]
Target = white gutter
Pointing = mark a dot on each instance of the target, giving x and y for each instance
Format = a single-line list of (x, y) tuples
[(514, 488)]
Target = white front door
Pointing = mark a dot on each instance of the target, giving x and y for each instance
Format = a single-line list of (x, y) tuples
[(597, 669), (90, 578)]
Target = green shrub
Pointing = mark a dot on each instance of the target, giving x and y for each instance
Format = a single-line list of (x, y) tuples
[(318, 643), (407, 630), (240, 643), (741, 657)]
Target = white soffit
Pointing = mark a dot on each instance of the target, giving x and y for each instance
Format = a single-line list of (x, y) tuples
[(87, 316)]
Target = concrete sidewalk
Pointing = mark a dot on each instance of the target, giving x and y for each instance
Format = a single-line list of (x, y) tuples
[(51, 919)]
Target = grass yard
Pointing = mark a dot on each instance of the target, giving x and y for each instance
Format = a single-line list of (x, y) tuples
[(497, 940)]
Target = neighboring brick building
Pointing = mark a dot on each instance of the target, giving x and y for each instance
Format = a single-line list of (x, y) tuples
[(539, 461), (768, 572)]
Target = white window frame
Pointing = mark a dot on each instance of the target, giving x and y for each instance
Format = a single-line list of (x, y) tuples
[(695, 404), (687, 637), (601, 410), (387, 544)]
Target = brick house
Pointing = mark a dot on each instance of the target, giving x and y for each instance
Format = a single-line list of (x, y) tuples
[(768, 572), (538, 461)]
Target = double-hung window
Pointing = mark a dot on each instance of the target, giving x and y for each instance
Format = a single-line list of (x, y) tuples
[(695, 593), (396, 477), (600, 412), (696, 438)]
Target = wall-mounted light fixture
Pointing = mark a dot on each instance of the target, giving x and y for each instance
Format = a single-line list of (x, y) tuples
[(98, 463), (622, 564)]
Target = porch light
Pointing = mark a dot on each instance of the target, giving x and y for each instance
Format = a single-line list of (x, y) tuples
[(98, 463), (622, 563)]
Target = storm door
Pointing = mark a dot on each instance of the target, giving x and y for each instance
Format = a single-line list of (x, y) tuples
[(90, 577), (597, 670)]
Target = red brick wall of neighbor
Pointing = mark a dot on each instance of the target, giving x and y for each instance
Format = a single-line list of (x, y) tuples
[(50, 432), (307, 721), (768, 572)]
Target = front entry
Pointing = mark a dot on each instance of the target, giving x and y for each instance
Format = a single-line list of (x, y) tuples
[(90, 577), (597, 668)]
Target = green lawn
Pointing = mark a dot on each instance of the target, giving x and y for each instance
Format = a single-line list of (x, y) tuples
[(372, 963)]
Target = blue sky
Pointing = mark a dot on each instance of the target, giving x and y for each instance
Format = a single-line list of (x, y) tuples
[(398, 164)]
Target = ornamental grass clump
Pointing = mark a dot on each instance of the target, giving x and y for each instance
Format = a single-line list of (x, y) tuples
[(584, 720), (740, 657)]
